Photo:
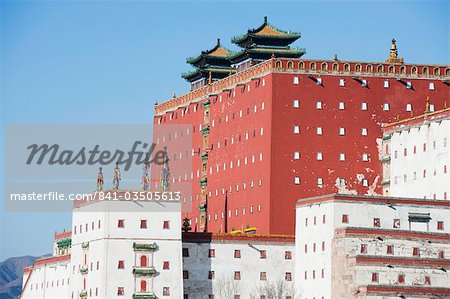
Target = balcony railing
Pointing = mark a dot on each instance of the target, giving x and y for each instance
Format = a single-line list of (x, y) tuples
[(144, 296), (150, 271)]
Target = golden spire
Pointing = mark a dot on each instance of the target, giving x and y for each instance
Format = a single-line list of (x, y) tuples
[(335, 57), (393, 53)]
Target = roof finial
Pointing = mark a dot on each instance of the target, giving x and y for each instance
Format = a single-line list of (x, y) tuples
[(335, 58), (117, 177), (265, 20), (174, 95), (393, 53), (218, 42), (100, 180)]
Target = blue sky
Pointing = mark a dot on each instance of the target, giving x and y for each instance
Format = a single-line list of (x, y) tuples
[(80, 62)]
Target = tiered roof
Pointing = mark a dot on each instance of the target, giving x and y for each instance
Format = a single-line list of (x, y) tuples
[(266, 41), (213, 63)]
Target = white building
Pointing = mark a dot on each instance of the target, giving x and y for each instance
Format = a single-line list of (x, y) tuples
[(416, 156), (350, 246), (238, 266)]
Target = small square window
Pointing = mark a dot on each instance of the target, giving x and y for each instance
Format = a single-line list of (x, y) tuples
[(288, 276), (390, 249), (364, 131), (262, 276), (166, 291), (396, 223), (296, 104), (364, 83), (319, 81), (237, 254), (166, 224), (376, 222), (409, 85), (121, 223), (212, 253), (431, 85), (341, 105), (408, 107), (344, 218), (363, 248), (185, 252), (427, 280), (431, 108), (143, 224), (320, 182), (416, 251), (296, 81), (386, 107), (386, 84), (342, 131), (297, 180), (363, 106), (288, 255), (319, 156), (365, 157), (341, 82), (440, 225), (341, 157), (211, 274), (120, 291), (296, 130), (185, 274), (319, 105), (121, 265), (237, 275), (319, 131), (401, 278), (374, 277), (166, 265), (262, 254), (365, 183), (441, 254), (296, 155)]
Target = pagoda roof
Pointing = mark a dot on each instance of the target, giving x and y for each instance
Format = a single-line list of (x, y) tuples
[(266, 34), (258, 52), (217, 53), (216, 72)]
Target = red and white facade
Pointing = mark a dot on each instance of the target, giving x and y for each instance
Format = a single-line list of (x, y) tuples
[(350, 246), (416, 156), (293, 128)]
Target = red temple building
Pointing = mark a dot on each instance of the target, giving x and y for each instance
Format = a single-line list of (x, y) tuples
[(269, 127)]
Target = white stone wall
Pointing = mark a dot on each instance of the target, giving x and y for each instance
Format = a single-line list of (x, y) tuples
[(335, 258), (419, 163), (250, 265), (47, 281), (110, 244)]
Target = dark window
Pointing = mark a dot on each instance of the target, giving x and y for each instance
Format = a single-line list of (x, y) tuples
[(121, 223), (288, 255), (166, 265), (185, 274), (401, 278), (120, 291), (440, 225), (344, 218), (185, 252), (237, 254), (166, 224), (374, 277), (212, 253), (211, 275), (143, 223), (288, 276), (390, 249), (416, 251), (237, 275), (363, 248), (262, 254), (262, 276), (376, 222)]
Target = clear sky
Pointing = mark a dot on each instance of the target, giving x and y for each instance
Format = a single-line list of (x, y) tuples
[(72, 62)]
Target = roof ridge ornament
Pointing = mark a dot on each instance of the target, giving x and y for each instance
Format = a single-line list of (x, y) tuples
[(393, 53)]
